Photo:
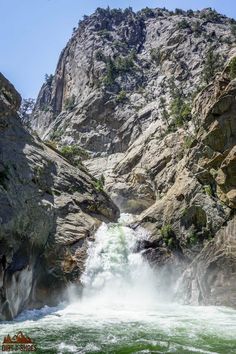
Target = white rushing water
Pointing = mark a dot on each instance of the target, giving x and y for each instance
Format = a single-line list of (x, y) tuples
[(116, 277), (122, 311)]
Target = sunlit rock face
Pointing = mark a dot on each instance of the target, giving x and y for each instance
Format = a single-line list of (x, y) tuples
[(114, 92), (49, 210), (123, 91), (118, 66)]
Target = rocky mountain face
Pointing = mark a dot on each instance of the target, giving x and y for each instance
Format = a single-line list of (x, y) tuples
[(147, 100), (49, 210)]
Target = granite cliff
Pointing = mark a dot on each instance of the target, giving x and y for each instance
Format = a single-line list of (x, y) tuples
[(49, 211)]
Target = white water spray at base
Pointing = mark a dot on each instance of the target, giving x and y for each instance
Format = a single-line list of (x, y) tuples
[(116, 277)]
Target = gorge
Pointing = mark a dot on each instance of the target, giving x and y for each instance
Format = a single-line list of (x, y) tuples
[(118, 193)]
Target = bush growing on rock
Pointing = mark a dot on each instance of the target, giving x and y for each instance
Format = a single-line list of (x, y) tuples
[(155, 55), (180, 110), (212, 64), (147, 12), (192, 238), (105, 34), (233, 30), (56, 134), (99, 184), (188, 141), (210, 15), (232, 67), (118, 66), (73, 153), (190, 13), (121, 97), (48, 79), (183, 24), (165, 114), (197, 28), (208, 189), (69, 103), (179, 12), (168, 235), (99, 56)]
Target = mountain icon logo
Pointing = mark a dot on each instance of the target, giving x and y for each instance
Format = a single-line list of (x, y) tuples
[(19, 338), (18, 342)]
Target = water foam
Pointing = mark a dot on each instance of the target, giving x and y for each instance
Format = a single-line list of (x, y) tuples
[(115, 275)]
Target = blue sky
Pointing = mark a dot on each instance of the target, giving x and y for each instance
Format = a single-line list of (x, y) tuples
[(33, 32)]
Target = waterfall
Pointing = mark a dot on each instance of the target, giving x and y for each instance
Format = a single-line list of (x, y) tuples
[(116, 276)]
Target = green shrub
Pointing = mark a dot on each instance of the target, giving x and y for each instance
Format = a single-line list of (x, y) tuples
[(56, 135), (118, 66), (124, 64), (105, 34), (48, 79), (69, 103), (210, 15), (166, 230), (190, 13), (168, 235), (233, 30), (188, 140), (147, 12), (45, 108), (73, 153), (232, 67), (211, 65), (183, 24), (165, 114), (121, 97), (180, 111), (99, 56), (192, 238), (118, 44), (110, 72), (197, 28), (99, 184), (208, 189), (155, 55), (179, 11)]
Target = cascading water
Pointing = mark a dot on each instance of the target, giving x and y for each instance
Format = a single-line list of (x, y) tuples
[(121, 310), (115, 276)]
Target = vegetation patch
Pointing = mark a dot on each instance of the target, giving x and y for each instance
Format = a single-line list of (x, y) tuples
[(69, 103), (56, 135), (155, 55), (232, 67), (74, 154), (168, 235), (192, 238), (188, 141), (117, 66), (208, 190), (121, 97), (99, 184), (183, 24), (212, 64)]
